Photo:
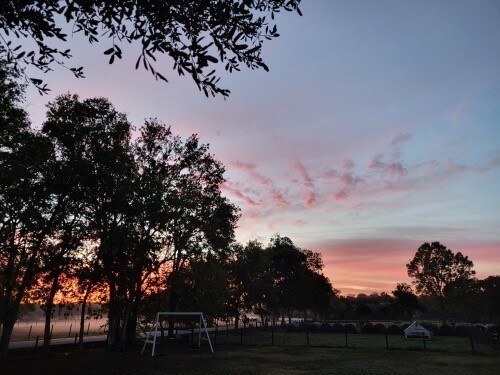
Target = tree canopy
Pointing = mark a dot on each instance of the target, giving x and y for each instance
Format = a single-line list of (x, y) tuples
[(201, 37), (434, 267)]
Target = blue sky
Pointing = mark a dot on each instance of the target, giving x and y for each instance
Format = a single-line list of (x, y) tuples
[(376, 129)]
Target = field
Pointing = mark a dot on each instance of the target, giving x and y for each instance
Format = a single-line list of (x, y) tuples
[(366, 354), (61, 328)]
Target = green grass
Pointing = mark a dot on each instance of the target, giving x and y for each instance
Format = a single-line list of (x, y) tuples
[(367, 355), (358, 341)]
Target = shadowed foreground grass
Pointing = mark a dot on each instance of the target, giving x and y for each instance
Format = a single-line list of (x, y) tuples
[(235, 359)]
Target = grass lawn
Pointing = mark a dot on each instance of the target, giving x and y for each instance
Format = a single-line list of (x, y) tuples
[(290, 357)]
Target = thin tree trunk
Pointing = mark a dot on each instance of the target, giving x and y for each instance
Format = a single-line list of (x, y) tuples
[(82, 317), (126, 317), (48, 312)]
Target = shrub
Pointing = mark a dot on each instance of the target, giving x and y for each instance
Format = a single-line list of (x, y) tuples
[(461, 330), (292, 327), (493, 328), (404, 326), (394, 330), (431, 327), (325, 327), (480, 329), (379, 329), (350, 328), (367, 328), (309, 327), (445, 330), (337, 328)]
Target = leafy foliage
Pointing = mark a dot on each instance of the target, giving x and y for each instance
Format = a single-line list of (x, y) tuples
[(199, 36)]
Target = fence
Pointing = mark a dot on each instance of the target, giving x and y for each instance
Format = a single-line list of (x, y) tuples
[(287, 336), (64, 328)]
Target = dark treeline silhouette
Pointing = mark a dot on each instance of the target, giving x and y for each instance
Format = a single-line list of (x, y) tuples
[(88, 212), (445, 288)]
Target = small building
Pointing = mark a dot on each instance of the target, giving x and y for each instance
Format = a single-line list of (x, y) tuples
[(417, 331)]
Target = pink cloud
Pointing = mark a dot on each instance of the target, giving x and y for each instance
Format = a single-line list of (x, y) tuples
[(389, 168), (310, 200), (235, 193), (250, 169), (400, 138), (279, 199), (348, 164), (302, 171)]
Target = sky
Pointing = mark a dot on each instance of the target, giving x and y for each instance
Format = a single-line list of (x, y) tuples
[(377, 129)]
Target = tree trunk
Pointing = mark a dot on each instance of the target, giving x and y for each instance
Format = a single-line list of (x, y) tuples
[(126, 317), (48, 312), (8, 327), (172, 302), (82, 317)]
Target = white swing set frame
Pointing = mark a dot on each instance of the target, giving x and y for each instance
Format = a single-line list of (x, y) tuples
[(154, 329)]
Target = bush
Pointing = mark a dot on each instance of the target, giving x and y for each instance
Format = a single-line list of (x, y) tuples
[(404, 326), (462, 331), (480, 329), (368, 328), (350, 328), (379, 329), (445, 330), (337, 328), (431, 327), (394, 330), (325, 327), (292, 327), (493, 328), (309, 327)]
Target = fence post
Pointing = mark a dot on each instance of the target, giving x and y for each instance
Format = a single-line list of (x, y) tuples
[(36, 342), (346, 344), (387, 339), (51, 329), (76, 339), (472, 343), (423, 339), (29, 334), (241, 336), (70, 327), (272, 336), (88, 329), (307, 337)]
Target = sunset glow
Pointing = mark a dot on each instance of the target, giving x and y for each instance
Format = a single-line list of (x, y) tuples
[(376, 129)]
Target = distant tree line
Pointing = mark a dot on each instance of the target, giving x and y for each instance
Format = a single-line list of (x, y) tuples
[(444, 287)]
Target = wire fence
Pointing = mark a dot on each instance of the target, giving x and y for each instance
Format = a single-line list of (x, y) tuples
[(29, 330), (283, 337)]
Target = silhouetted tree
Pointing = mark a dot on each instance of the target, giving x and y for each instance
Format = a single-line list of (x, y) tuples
[(405, 301), (96, 139), (199, 36), (489, 298), (30, 209), (434, 267), (461, 295)]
